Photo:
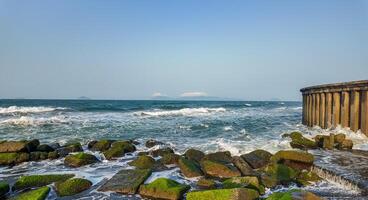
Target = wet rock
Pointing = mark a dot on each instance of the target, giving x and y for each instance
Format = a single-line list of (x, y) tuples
[(339, 138), (251, 182), (243, 166), (293, 195), (219, 170), (4, 188), (32, 145), (126, 181), (345, 145), (69, 148), (54, 145), (329, 141), (170, 159), (37, 194), (319, 140), (206, 184), (32, 181), (101, 145), (80, 159), (142, 153), (193, 154), (189, 168), (72, 186), (44, 148), (53, 155), (301, 142), (143, 162), (221, 157), (224, 194), (294, 156), (151, 143), (118, 149), (38, 155), (161, 152), (163, 188), (13, 146), (13, 158), (258, 158), (280, 173), (306, 178)]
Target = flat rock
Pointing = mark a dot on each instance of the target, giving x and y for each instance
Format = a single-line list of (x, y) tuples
[(258, 158), (224, 194), (13, 146)]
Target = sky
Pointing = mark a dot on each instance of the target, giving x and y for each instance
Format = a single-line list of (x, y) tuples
[(136, 49)]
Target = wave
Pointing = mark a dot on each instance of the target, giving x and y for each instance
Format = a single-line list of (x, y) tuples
[(24, 109), (32, 121), (182, 112)]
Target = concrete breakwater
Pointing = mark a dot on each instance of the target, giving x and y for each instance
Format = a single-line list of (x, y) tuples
[(330, 105)]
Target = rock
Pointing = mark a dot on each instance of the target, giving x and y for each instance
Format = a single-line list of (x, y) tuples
[(143, 162), (53, 155), (329, 142), (193, 154), (206, 184), (32, 145), (219, 170), (151, 143), (243, 166), (319, 140), (345, 145), (126, 181), (44, 148), (13, 158), (297, 156), (189, 168), (37, 194), (80, 159), (32, 181), (161, 152), (306, 178), (258, 158), (293, 195), (221, 157), (251, 182), (54, 145), (101, 145), (142, 153), (118, 149), (339, 138), (69, 148), (38, 155), (300, 142), (72, 186), (4, 188), (170, 159), (281, 173), (163, 188), (224, 194), (13, 146)]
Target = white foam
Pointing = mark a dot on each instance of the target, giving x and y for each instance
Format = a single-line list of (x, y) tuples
[(23, 109), (228, 128), (248, 104), (182, 112), (35, 121)]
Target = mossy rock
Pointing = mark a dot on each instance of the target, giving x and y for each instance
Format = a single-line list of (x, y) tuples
[(14, 146), (206, 184), (118, 149), (189, 168), (101, 145), (4, 188), (329, 141), (224, 194), (72, 186), (306, 178), (161, 152), (151, 143), (257, 158), (170, 159), (220, 157), (69, 148), (219, 170), (39, 180), (163, 188), (13, 158), (293, 194), (251, 182), (345, 145), (298, 156), (194, 154), (80, 159), (37, 194), (243, 166), (45, 148), (339, 138), (282, 173), (143, 162), (301, 142), (38, 155), (53, 155)]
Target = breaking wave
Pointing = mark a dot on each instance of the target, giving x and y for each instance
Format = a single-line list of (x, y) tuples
[(32, 121), (24, 109), (182, 112)]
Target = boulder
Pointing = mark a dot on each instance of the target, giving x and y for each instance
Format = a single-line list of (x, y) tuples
[(221, 157), (37, 194), (243, 166), (126, 181), (189, 168), (80, 159), (143, 162), (293, 157), (118, 149), (219, 170), (280, 173), (13, 158), (72, 186), (319, 140), (224, 194), (301, 142), (53, 155), (151, 143), (44, 148), (38, 155), (251, 182), (69, 148), (32, 145), (32, 181), (339, 138), (54, 145), (163, 188), (329, 141), (258, 158), (4, 188), (101, 145), (345, 145), (293, 195), (170, 159), (306, 178), (206, 184), (161, 152), (193, 154), (14, 146)]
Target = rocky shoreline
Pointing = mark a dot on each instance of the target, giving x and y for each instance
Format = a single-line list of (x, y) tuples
[(218, 175)]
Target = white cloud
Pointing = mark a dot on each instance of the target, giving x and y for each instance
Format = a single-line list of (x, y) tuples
[(193, 94), (158, 94)]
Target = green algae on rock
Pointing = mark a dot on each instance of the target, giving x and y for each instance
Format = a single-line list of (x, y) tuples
[(170, 159), (189, 168), (163, 188), (224, 194), (4, 188), (220, 157), (282, 174), (143, 162), (257, 158), (72, 186), (251, 182), (298, 156), (194, 155), (293, 194), (13, 158), (80, 159), (301, 142), (118, 149), (206, 184), (243, 166), (307, 177), (219, 170), (101, 145), (39, 180), (37, 194)]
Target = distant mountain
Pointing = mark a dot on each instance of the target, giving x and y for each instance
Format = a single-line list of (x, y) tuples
[(84, 98), (198, 98)]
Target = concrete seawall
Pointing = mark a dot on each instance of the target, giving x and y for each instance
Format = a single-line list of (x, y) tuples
[(344, 104)]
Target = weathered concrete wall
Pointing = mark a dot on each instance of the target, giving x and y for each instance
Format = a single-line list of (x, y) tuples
[(344, 104)]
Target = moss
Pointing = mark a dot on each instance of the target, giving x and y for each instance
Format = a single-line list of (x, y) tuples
[(143, 162), (101, 145), (72, 186), (4, 188), (204, 183), (53, 155), (297, 156), (161, 152), (163, 188), (224, 194), (80, 159), (282, 173), (195, 155), (170, 159), (219, 170), (118, 149), (39, 180), (220, 157), (240, 182), (13, 158), (306, 178), (38, 194), (298, 141), (189, 168)]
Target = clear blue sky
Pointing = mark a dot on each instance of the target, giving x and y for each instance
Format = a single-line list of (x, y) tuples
[(253, 50)]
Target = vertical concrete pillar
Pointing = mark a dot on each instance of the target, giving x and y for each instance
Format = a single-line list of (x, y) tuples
[(336, 109), (354, 110), (304, 109), (322, 111), (310, 108), (313, 110), (364, 112), (318, 96), (328, 110), (345, 105)]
